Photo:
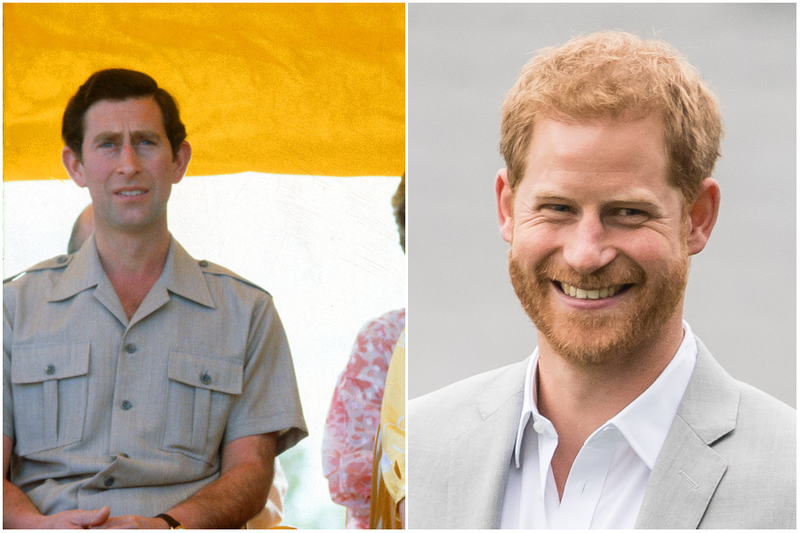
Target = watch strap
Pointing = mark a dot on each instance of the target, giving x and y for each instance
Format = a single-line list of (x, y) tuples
[(171, 522)]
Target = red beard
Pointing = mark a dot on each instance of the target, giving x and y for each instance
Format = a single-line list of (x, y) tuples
[(593, 337)]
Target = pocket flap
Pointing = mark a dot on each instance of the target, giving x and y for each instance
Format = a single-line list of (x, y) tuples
[(35, 364), (206, 372)]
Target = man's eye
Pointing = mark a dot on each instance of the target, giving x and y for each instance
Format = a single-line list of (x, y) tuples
[(631, 212), (560, 208), (107, 144), (630, 215)]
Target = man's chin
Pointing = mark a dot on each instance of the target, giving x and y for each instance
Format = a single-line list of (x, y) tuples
[(588, 346)]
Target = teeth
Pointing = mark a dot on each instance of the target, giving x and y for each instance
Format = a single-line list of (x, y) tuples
[(595, 294), (131, 193)]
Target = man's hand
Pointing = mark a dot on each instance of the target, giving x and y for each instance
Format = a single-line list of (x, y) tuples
[(19, 512), (133, 522), (77, 519)]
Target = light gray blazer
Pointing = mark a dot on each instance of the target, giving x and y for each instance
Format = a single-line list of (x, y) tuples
[(728, 460)]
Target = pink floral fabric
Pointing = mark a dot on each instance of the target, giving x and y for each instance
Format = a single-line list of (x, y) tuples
[(349, 438)]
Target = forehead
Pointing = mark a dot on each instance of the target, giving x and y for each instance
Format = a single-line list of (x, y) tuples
[(597, 145), (118, 116), (601, 151)]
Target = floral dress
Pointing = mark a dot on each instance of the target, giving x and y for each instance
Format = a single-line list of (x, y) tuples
[(349, 438)]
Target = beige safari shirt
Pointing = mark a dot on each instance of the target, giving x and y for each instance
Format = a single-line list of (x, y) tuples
[(133, 414)]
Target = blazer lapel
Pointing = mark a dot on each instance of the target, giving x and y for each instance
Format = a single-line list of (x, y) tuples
[(481, 455), (688, 470)]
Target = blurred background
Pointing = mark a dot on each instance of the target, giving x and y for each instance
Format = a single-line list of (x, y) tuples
[(463, 59), (296, 117)]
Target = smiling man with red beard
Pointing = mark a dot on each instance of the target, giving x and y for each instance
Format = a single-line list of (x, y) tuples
[(621, 418)]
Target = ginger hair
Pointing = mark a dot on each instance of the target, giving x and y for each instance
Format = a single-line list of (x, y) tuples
[(613, 74)]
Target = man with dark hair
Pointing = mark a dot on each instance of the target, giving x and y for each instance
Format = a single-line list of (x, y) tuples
[(621, 417), (141, 388), (116, 85)]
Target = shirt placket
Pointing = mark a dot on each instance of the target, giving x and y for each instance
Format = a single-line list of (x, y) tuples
[(586, 479)]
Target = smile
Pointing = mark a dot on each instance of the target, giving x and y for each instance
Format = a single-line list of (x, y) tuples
[(130, 193), (591, 294)]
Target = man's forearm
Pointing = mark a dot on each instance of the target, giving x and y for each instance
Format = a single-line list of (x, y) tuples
[(18, 510), (229, 502), (20, 513)]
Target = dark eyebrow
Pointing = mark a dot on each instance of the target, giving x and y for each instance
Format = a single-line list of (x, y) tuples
[(138, 135), (105, 136), (145, 135)]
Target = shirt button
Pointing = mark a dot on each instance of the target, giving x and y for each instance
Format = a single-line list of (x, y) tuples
[(124, 455), (205, 379), (61, 260), (126, 405), (108, 481), (130, 347), (538, 427), (50, 370), (203, 263)]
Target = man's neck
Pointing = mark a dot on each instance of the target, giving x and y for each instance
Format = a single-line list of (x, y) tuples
[(133, 262), (578, 399)]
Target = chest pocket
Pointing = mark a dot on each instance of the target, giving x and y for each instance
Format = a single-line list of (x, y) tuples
[(200, 395), (49, 385)]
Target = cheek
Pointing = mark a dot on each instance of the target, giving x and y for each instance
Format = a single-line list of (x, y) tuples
[(535, 242), (652, 252)]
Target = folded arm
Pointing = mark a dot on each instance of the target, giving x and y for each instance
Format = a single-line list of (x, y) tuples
[(237, 495), (19, 511)]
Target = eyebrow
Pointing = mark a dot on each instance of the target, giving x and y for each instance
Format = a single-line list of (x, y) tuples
[(636, 199), (135, 135)]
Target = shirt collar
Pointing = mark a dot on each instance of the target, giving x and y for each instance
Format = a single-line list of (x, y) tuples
[(645, 422), (529, 408), (181, 275), (83, 272)]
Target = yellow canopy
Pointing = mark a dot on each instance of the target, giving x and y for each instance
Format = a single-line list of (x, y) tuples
[(282, 88)]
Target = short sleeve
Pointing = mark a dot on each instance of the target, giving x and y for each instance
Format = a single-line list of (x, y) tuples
[(270, 400)]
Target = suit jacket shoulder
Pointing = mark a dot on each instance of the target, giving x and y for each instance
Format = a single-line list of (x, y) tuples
[(728, 460), (461, 440)]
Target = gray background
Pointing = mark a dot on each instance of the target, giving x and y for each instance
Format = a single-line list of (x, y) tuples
[(462, 59)]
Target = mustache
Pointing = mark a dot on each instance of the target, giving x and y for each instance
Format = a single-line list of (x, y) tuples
[(621, 271)]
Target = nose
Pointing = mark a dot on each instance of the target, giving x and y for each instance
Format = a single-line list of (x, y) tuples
[(588, 247), (128, 160)]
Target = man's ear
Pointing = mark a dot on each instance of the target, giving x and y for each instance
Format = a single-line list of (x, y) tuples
[(505, 204), (702, 216), (181, 162), (73, 165)]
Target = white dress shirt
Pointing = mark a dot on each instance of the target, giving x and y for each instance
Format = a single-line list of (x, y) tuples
[(606, 483)]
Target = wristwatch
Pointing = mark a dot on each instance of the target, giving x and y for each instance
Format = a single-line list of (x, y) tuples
[(171, 522)]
